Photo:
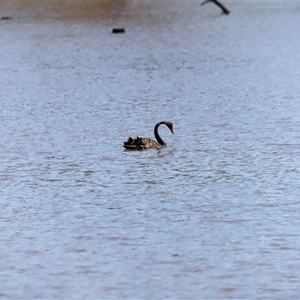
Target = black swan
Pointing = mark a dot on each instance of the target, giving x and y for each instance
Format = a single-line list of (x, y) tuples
[(146, 143)]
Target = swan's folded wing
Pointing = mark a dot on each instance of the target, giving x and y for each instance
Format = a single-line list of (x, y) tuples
[(134, 144), (141, 144)]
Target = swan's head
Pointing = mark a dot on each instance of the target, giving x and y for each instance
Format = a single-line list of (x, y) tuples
[(170, 126)]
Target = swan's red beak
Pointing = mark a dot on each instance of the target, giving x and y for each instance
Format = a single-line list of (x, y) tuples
[(172, 129)]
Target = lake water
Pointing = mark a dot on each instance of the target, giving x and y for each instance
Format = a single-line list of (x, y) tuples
[(215, 215)]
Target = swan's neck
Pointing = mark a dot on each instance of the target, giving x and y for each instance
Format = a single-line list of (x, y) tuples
[(157, 136)]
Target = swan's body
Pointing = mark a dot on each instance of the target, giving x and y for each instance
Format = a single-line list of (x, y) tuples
[(146, 143)]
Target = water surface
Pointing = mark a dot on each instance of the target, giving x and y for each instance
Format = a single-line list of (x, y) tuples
[(212, 216)]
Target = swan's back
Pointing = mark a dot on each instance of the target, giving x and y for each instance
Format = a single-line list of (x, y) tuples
[(142, 144)]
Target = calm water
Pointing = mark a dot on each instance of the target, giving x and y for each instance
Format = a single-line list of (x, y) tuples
[(213, 216)]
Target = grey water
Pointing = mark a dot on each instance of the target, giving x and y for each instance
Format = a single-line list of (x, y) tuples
[(215, 215)]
